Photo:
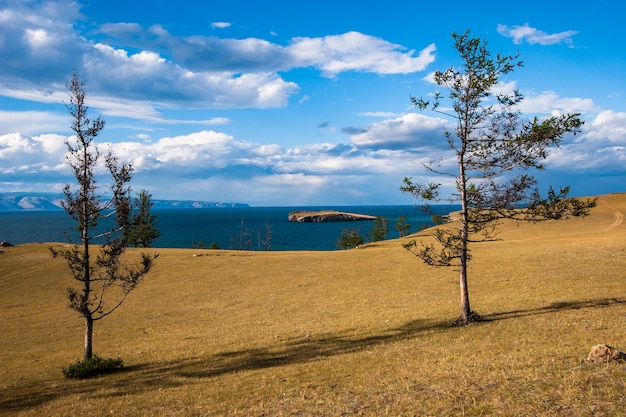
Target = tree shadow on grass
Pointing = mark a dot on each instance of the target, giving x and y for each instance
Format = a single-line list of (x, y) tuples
[(301, 350), (555, 307), (141, 378)]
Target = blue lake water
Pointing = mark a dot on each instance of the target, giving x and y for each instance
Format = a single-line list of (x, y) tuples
[(182, 228)]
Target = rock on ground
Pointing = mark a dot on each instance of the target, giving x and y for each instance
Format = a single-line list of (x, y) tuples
[(605, 353)]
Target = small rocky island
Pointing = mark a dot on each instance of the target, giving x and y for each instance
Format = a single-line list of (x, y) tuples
[(326, 216)]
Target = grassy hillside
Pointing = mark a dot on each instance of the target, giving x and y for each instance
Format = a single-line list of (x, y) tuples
[(360, 332)]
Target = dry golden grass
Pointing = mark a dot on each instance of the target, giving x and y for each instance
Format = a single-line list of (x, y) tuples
[(360, 332)]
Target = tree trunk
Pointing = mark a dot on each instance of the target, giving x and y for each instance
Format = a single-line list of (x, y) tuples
[(465, 304), (88, 338)]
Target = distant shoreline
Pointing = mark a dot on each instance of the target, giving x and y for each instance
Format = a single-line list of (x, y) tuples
[(53, 201)]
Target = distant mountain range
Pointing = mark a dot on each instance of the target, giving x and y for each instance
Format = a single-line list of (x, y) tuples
[(49, 201)]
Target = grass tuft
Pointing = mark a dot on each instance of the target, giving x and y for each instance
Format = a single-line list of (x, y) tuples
[(95, 366)]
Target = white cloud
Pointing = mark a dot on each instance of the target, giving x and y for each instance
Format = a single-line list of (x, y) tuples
[(51, 144), (369, 170), (535, 36), (504, 88), (354, 51), (410, 131), (608, 126), (545, 102), (220, 25), (145, 74), (33, 156), (200, 152), (600, 147), (47, 50), (142, 136), (151, 68), (384, 114), (549, 102), (38, 38), (41, 42), (31, 122)]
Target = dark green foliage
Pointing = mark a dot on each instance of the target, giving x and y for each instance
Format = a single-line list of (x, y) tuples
[(402, 226), (379, 229), (142, 231), (349, 239), (95, 366), (202, 245), (439, 219), (494, 154)]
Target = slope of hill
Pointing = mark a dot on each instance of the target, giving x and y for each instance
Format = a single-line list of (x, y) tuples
[(15, 201), (362, 332)]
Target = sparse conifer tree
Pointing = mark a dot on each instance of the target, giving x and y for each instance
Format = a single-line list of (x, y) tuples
[(349, 239), (402, 226), (493, 155), (103, 281), (142, 231), (379, 229)]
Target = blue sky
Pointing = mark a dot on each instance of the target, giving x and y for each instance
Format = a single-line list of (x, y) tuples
[(295, 103)]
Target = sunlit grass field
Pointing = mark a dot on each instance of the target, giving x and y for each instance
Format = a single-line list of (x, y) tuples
[(361, 332)]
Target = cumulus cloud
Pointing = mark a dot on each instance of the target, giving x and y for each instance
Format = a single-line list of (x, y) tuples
[(531, 35), (601, 147), (25, 156), (354, 51), (410, 131), (205, 156), (549, 102), (37, 42), (151, 65), (372, 165), (293, 182), (608, 126), (45, 49)]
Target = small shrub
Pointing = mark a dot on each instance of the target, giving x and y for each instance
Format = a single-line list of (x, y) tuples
[(438, 219), (92, 367), (349, 239), (198, 245)]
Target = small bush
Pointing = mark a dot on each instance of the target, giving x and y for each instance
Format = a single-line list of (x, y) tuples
[(349, 239), (92, 367)]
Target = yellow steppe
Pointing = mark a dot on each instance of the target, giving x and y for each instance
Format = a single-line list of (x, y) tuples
[(360, 332)]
